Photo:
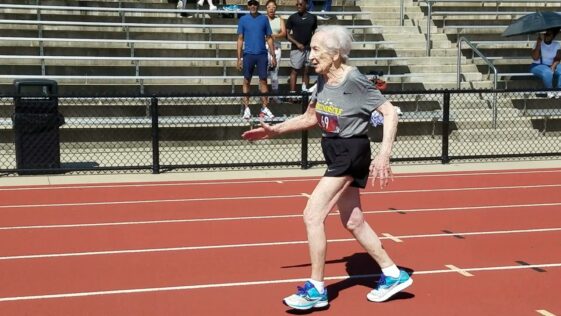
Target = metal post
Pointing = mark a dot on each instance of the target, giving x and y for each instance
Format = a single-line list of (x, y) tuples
[(429, 20), (459, 65), (445, 127), (155, 136), (304, 149), (401, 14)]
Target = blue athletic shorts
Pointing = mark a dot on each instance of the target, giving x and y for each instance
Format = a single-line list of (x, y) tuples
[(249, 63), (348, 157)]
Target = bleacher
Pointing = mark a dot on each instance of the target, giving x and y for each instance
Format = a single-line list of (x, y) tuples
[(482, 23), (106, 47)]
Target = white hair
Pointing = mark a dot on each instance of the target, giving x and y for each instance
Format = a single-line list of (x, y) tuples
[(338, 40)]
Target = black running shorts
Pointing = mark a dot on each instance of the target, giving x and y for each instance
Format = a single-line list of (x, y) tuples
[(348, 157)]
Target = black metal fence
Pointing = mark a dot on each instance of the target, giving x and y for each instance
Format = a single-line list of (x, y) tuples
[(162, 133)]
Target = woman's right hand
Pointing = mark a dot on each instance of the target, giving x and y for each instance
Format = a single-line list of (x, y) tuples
[(263, 132)]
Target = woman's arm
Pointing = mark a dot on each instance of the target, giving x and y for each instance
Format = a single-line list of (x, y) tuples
[(282, 33), (298, 123), (380, 166), (556, 60), (537, 50)]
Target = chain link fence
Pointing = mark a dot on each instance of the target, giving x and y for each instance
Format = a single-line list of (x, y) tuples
[(203, 132)]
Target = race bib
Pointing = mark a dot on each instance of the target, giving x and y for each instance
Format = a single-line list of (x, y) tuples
[(328, 123)]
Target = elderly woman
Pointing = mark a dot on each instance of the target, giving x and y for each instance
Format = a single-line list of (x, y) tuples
[(341, 106)]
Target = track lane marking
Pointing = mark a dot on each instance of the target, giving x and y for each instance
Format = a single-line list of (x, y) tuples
[(250, 181), (391, 237), (271, 196), (544, 312), (215, 219), (266, 244), (458, 270), (251, 283)]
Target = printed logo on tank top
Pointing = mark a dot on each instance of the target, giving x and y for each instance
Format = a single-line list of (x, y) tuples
[(328, 116)]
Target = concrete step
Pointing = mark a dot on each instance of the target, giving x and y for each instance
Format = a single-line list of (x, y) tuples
[(486, 135)]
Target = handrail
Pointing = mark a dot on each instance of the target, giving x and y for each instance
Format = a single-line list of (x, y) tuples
[(175, 11), (132, 24), (491, 66), (122, 11), (358, 44)]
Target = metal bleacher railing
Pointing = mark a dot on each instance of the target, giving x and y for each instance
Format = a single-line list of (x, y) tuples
[(489, 11), (126, 27), (498, 3)]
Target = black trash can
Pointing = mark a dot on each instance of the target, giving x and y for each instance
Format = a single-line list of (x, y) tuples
[(36, 123)]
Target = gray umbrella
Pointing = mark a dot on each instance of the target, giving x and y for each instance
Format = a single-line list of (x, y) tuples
[(534, 22)]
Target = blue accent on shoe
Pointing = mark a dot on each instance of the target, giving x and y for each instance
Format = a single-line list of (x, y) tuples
[(307, 297), (388, 286), (388, 282)]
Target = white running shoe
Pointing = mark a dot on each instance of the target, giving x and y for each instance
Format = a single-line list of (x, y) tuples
[(267, 113), (180, 4), (246, 113), (388, 286), (213, 7), (200, 3)]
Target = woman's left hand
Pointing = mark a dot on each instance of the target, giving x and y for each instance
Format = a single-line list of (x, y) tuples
[(380, 168)]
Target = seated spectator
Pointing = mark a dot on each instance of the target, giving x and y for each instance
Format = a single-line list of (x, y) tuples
[(326, 8), (546, 56)]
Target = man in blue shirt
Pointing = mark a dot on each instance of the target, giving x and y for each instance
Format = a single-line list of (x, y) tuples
[(253, 31)]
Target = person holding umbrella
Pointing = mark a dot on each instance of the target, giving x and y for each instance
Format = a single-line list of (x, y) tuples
[(546, 56)]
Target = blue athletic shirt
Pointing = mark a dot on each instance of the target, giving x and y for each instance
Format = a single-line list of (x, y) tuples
[(254, 29)]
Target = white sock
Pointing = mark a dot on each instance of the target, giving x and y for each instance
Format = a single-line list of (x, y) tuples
[(318, 285), (391, 271)]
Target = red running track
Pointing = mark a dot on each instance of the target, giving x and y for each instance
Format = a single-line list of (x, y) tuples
[(477, 243)]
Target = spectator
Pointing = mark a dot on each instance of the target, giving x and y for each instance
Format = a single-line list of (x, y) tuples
[(326, 8), (254, 32), (546, 56), (279, 31), (300, 27)]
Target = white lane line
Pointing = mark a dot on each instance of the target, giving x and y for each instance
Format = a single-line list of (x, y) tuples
[(267, 244), (482, 173), (271, 196), (250, 181), (306, 195), (460, 271), (391, 237), (153, 184), (252, 283), (544, 312), (267, 217), (263, 197)]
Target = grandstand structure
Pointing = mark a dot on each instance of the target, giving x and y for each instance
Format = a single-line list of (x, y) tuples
[(147, 47), (103, 48)]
